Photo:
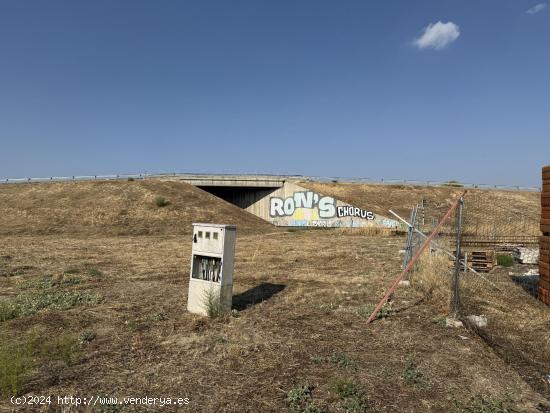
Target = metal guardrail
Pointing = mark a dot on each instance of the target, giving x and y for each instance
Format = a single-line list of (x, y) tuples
[(383, 181), (417, 182)]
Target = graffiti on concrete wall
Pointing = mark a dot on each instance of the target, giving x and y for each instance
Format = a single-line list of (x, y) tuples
[(317, 206), (308, 208), (349, 211)]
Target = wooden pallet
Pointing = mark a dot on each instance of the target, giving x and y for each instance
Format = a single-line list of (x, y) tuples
[(545, 200), (544, 283), (487, 255)]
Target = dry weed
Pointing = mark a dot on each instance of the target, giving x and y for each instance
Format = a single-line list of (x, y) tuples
[(432, 277)]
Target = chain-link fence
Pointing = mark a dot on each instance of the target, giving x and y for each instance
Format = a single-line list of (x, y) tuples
[(492, 287)]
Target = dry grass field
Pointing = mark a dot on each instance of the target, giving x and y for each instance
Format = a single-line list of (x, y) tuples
[(98, 307)]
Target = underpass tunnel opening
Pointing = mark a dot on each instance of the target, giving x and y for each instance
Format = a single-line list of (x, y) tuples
[(241, 196)]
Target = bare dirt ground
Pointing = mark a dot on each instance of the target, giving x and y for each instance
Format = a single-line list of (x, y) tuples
[(301, 301)]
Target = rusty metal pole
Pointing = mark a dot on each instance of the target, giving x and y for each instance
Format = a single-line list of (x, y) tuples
[(411, 263)]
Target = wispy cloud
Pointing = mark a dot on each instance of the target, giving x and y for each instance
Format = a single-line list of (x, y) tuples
[(536, 8), (437, 36)]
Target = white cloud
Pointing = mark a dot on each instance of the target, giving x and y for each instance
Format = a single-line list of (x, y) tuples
[(437, 36), (536, 8)]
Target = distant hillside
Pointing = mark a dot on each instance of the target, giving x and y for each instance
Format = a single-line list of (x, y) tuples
[(115, 208)]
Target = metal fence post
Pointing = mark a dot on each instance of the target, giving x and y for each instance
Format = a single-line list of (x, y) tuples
[(455, 289), (408, 244)]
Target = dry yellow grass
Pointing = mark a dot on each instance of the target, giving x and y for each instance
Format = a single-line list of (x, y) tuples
[(298, 293), (115, 208), (507, 210), (432, 276), (385, 232)]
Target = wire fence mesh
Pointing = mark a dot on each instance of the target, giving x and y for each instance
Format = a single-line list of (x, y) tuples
[(495, 294)]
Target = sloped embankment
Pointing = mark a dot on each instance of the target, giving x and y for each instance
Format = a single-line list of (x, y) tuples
[(115, 208), (485, 206)]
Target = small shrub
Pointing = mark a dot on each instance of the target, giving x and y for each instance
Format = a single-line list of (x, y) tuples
[(441, 320), (94, 272), (505, 260), (366, 310), (133, 325), (131, 179), (480, 404), (87, 336), (7, 311), (312, 408), (432, 278), (342, 361), (343, 388), (352, 399), (161, 201), (212, 304), (412, 374), (299, 398), (159, 316), (72, 270), (354, 405), (327, 307)]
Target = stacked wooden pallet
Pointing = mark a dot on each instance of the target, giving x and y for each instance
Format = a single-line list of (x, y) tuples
[(480, 260), (544, 260)]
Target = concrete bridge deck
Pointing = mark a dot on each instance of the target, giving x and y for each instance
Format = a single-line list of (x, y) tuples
[(241, 181)]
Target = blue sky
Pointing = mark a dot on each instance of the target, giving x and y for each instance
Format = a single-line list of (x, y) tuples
[(350, 88)]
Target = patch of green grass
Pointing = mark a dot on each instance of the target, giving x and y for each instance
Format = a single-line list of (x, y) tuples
[(412, 374), (353, 400), (481, 404), (94, 272), (318, 359), (28, 304), (343, 388), (441, 320), (72, 270), (161, 201), (87, 336), (342, 361), (7, 310), (19, 358), (327, 307), (505, 260), (44, 283), (15, 365), (366, 310), (133, 325), (299, 400), (212, 304), (159, 316)]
